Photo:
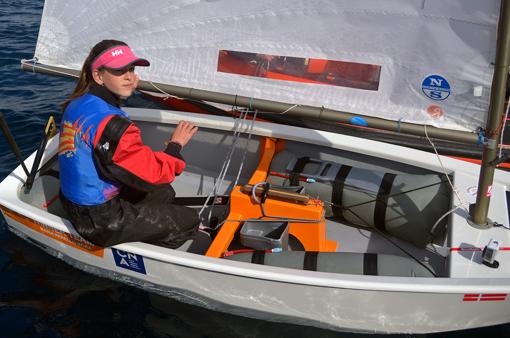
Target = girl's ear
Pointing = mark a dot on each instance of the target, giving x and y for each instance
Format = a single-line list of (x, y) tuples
[(98, 77)]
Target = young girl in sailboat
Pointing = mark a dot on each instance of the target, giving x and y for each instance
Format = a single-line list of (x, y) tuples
[(114, 188)]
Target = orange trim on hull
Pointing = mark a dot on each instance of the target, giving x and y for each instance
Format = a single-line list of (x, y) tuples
[(63, 237)]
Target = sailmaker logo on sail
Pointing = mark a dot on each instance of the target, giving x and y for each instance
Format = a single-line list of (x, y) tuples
[(436, 87)]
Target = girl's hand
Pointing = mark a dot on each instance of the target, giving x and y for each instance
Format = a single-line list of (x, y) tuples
[(183, 133)]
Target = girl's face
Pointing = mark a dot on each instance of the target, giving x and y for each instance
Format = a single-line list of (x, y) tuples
[(120, 82)]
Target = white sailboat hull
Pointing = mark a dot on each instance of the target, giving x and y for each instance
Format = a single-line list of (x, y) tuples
[(336, 308), (340, 302)]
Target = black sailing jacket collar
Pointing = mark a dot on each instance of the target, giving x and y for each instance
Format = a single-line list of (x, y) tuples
[(105, 94)]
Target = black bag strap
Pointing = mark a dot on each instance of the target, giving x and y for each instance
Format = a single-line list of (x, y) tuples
[(297, 170), (370, 264), (258, 257), (310, 260), (338, 191), (381, 203)]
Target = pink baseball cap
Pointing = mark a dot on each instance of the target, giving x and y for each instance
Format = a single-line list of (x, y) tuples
[(118, 57)]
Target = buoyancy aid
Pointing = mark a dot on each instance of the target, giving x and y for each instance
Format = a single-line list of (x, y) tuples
[(77, 132)]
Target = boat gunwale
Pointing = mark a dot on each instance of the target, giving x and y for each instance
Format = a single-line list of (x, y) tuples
[(371, 148)]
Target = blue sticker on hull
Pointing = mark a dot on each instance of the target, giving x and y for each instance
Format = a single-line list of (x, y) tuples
[(436, 87), (128, 260)]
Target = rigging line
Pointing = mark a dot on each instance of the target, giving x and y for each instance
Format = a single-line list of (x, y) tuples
[(441, 218), (286, 111), (237, 130), (284, 219), (250, 132), (283, 112), (406, 252), (374, 200), (234, 105), (213, 190), (174, 96), (462, 203), (498, 128), (197, 102), (503, 129), (380, 232), (225, 165), (163, 92), (295, 220)]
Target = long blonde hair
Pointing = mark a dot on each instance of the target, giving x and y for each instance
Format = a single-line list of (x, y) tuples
[(86, 79)]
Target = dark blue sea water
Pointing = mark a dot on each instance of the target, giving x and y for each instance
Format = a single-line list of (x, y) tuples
[(41, 296)]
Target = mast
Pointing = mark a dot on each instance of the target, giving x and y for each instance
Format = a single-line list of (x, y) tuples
[(494, 119)]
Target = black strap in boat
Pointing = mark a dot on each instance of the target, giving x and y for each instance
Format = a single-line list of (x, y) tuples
[(310, 260), (370, 264), (381, 202), (50, 172), (297, 170), (338, 191), (258, 257), (200, 200)]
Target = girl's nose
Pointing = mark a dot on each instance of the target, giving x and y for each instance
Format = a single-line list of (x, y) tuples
[(129, 74)]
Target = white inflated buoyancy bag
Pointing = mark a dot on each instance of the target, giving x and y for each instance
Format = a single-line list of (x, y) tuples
[(404, 205)]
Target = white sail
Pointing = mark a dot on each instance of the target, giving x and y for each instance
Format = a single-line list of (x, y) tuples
[(420, 61)]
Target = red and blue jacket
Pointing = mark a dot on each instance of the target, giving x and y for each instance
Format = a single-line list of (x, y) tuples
[(101, 150)]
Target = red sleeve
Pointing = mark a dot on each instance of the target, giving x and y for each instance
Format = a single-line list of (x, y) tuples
[(140, 160)]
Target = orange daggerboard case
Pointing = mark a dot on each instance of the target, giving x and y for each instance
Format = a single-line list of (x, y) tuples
[(312, 235)]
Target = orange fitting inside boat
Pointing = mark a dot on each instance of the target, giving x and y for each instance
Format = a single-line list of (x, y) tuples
[(312, 235)]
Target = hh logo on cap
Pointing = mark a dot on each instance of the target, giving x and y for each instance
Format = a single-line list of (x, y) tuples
[(117, 52)]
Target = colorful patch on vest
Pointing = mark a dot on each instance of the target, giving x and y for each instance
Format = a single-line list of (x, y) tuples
[(71, 135)]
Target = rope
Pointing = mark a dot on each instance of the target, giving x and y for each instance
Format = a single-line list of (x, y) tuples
[(286, 111), (163, 92), (398, 124), (432, 230), (374, 200), (380, 232), (481, 137), (250, 133), (226, 163), (250, 103), (503, 129), (461, 201)]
